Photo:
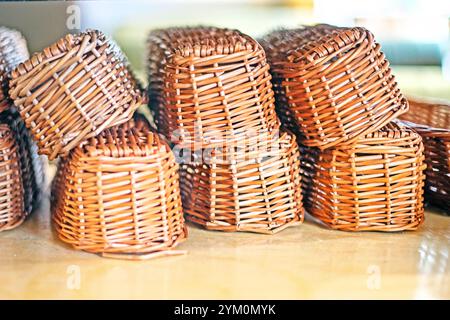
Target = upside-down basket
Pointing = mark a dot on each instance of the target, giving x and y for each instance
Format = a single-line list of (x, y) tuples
[(375, 184), (73, 90), (431, 119), (254, 186), (118, 195), (334, 83), (208, 85)]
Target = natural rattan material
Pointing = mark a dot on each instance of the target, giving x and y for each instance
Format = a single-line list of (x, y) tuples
[(32, 165), (12, 212), (374, 185), (431, 120), (73, 90), (255, 187), (13, 50), (119, 195), (335, 83), (208, 85)]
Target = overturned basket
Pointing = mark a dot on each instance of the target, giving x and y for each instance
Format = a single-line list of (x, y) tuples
[(207, 85), (432, 121), (32, 165), (253, 186), (73, 90), (335, 83), (12, 212), (118, 195), (374, 185), (13, 50)]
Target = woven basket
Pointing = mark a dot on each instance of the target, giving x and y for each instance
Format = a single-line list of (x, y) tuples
[(13, 50), (335, 83), (32, 165), (208, 85), (252, 187), (118, 195), (432, 121), (73, 90), (12, 212), (374, 185)]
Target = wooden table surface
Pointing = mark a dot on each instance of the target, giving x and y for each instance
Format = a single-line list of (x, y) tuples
[(303, 262)]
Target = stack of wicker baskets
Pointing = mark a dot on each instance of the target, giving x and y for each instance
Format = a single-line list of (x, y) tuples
[(211, 94), (116, 191), (431, 119), (335, 89), (23, 177)]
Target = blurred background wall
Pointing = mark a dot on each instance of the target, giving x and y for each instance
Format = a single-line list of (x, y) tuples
[(414, 33)]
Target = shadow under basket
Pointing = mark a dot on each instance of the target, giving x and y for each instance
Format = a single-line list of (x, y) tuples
[(208, 85), (12, 212), (374, 185), (252, 187), (334, 83), (13, 50), (119, 196), (431, 119), (73, 90)]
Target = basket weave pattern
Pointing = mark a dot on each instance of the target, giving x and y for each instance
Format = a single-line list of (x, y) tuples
[(119, 195), (209, 85), (13, 50), (259, 192), (432, 121), (73, 90), (335, 83), (375, 184), (12, 212)]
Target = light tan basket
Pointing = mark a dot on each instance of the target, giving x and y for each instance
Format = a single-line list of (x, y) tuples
[(73, 90), (335, 83), (12, 212), (374, 185), (208, 85), (251, 186), (13, 50), (119, 195)]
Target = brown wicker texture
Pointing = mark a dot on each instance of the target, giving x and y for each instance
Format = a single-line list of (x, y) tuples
[(73, 90), (374, 185), (208, 85), (431, 120), (12, 212), (31, 164), (118, 195), (13, 50), (252, 187), (335, 83)]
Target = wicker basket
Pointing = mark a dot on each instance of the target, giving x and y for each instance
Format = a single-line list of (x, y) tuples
[(374, 185), (118, 195), (208, 85), (73, 90), (432, 121), (335, 83), (254, 186), (32, 165), (12, 212), (13, 50)]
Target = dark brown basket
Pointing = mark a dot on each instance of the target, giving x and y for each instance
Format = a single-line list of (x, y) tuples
[(253, 186), (73, 90), (374, 185), (334, 83), (431, 119), (32, 165), (13, 50), (118, 195), (208, 85), (12, 212)]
